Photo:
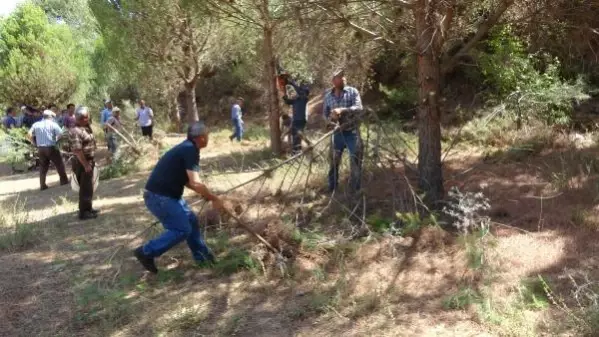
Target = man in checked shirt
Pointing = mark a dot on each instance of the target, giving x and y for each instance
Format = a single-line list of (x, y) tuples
[(342, 104)]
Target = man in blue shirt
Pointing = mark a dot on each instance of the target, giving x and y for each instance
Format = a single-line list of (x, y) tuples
[(342, 104), (178, 168), (236, 120), (10, 122), (104, 116), (47, 133), (299, 106)]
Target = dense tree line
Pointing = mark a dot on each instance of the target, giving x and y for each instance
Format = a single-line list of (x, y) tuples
[(189, 57)]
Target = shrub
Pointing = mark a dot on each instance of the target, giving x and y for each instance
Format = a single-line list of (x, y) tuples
[(120, 167), (16, 232), (465, 208), (531, 83), (14, 146)]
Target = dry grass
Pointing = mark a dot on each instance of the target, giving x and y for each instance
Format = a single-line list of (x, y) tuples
[(424, 285)]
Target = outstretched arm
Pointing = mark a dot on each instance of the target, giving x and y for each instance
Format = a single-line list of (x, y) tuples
[(196, 185)]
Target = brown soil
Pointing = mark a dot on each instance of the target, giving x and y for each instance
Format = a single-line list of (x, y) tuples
[(390, 286)]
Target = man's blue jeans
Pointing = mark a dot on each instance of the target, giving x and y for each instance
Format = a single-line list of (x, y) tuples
[(352, 141), (297, 126), (179, 222), (238, 132)]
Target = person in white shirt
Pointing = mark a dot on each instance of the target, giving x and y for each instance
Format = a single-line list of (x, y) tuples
[(145, 117)]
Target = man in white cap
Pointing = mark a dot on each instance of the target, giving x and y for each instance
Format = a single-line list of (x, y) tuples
[(44, 135)]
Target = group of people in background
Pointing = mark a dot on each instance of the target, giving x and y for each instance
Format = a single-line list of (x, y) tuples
[(111, 123), (178, 168), (47, 126)]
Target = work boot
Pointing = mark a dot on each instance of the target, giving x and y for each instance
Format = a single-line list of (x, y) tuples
[(43, 188), (146, 261), (87, 215)]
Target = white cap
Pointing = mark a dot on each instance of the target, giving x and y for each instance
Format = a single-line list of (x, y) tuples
[(49, 113)]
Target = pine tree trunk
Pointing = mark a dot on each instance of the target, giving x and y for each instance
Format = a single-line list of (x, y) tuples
[(270, 81), (429, 113), (191, 108)]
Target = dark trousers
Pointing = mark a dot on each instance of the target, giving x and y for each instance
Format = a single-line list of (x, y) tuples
[(49, 154), (297, 127), (147, 131), (86, 184), (353, 142)]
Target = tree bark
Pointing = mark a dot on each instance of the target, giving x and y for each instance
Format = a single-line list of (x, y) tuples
[(429, 114), (191, 108), (273, 97)]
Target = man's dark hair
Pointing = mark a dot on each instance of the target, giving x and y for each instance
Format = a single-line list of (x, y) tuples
[(52, 106), (10, 110), (70, 105)]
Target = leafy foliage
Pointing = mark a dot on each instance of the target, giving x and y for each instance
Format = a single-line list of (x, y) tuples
[(40, 61), (14, 146), (531, 83)]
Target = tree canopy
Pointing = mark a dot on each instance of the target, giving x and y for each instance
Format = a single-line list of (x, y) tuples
[(41, 62)]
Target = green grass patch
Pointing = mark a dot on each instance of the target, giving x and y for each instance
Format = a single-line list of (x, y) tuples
[(461, 300), (404, 224), (308, 239), (119, 168), (236, 260), (532, 295), (106, 307), (16, 230)]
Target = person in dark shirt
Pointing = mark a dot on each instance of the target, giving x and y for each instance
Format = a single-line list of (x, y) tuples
[(299, 105), (163, 196), (69, 117), (10, 122), (29, 118)]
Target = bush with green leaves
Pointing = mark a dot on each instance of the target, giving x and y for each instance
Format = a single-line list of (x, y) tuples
[(404, 224), (530, 84), (14, 146), (120, 167), (40, 61), (399, 102)]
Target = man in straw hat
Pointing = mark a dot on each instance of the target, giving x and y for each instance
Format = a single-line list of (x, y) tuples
[(342, 104), (44, 135)]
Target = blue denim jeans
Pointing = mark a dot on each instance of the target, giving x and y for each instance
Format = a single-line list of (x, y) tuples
[(297, 126), (112, 142), (238, 129), (179, 222), (352, 141)]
